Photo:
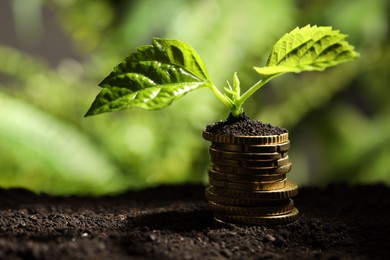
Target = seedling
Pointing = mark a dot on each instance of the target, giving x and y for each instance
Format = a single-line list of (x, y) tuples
[(158, 74)]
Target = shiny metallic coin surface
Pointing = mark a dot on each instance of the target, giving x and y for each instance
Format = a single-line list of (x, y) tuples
[(248, 184), (242, 202), (253, 186), (252, 211), (221, 176), (275, 148), (290, 190), (284, 169), (246, 140), (258, 220), (258, 164), (245, 156)]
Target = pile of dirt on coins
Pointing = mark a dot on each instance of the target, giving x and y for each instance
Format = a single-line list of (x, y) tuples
[(174, 222), (243, 126)]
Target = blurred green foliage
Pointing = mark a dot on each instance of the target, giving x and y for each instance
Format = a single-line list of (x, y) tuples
[(339, 120)]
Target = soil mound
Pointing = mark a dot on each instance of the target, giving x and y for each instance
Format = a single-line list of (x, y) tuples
[(243, 126)]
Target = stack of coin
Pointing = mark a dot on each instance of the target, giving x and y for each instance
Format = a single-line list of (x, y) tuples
[(248, 183)]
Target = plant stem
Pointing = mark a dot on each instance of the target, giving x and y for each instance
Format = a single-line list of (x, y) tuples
[(235, 104), (252, 90), (221, 97)]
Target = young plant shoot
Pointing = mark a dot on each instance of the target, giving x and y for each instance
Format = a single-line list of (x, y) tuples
[(158, 74)]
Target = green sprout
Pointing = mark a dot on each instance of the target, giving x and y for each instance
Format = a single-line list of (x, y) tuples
[(158, 74)]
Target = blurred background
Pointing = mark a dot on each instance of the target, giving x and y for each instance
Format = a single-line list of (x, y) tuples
[(53, 54)]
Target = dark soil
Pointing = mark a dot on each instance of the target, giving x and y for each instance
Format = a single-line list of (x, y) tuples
[(243, 126), (174, 222)]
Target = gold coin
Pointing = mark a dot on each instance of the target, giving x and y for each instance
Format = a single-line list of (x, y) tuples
[(246, 140), (258, 164), (254, 186), (275, 148), (282, 219), (290, 190), (245, 155), (284, 169), (253, 211), (221, 176), (233, 201)]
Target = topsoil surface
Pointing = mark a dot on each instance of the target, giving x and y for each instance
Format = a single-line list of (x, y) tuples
[(244, 126), (174, 222)]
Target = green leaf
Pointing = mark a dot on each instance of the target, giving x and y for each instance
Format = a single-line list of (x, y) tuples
[(307, 49), (152, 78)]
